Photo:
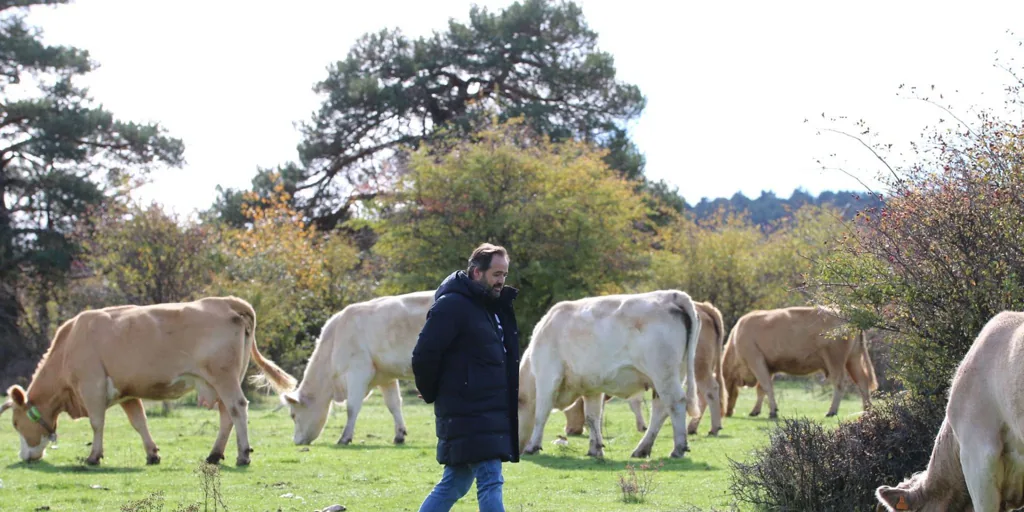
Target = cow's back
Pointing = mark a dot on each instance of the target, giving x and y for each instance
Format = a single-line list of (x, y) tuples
[(785, 332), (599, 340), (383, 330), (142, 348)]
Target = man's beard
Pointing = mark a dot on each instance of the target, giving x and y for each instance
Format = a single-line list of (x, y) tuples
[(492, 291)]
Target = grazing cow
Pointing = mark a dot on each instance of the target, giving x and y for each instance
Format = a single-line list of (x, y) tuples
[(710, 383), (615, 345), (977, 462), (366, 345), (798, 341), (123, 354)]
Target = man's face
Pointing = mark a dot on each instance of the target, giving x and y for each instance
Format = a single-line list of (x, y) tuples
[(494, 278)]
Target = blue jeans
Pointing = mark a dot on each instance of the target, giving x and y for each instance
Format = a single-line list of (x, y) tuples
[(456, 481)]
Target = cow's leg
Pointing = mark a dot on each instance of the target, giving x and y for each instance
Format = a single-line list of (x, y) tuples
[(137, 417), (734, 393), (980, 462), (714, 399), (358, 387), (574, 418), (674, 399), (544, 402), (593, 407), (695, 422), (659, 413), (221, 443), (636, 404), (393, 399), (756, 411), (95, 401), (764, 378), (232, 398), (860, 378), (835, 375)]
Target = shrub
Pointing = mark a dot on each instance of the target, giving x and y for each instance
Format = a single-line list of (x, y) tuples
[(806, 466)]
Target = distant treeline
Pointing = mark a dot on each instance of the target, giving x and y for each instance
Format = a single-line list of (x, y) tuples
[(768, 208)]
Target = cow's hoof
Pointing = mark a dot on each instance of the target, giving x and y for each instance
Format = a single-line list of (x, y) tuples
[(574, 431), (93, 460), (152, 460), (344, 440), (530, 450), (678, 453), (641, 453), (691, 431), (755, 413), (642, 428), (599, 454), (214, 458), (714, 432), (773, 415), (829, 415), (242, 461), (399, 440)]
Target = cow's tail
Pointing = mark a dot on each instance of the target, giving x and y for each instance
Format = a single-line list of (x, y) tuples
[(865, 361), (691, 320), (270, 374), (716, 318)]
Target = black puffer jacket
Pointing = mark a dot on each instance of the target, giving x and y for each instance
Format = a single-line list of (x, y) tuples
[(472, 378)]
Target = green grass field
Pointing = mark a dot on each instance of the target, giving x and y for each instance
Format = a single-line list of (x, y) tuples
[(374, 474)]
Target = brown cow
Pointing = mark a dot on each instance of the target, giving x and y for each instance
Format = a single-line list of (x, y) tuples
[(710, 383), (977, 462), (797, 341), (123, 354)]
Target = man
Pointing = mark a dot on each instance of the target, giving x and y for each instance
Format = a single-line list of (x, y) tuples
[(466, 363)]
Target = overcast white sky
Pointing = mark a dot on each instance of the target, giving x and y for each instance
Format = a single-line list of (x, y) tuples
[(728, 84)]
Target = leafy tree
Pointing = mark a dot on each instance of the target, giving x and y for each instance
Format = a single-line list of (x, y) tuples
[(537, 59), (943, 256), (150, 256), (566, 218), (60, 157), (294, 276)]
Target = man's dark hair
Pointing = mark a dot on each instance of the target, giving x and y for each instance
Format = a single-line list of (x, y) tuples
[(482, 255)]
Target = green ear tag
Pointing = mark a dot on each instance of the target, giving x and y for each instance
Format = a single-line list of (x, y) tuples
[(33, 414)]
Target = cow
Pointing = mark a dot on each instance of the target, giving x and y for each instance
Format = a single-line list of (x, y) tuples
[(124, 354), (977, 460), (365, 345), (615, 345), (710, 383), (796, 340)]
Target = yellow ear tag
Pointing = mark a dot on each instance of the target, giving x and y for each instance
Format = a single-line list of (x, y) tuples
[(902, 503)]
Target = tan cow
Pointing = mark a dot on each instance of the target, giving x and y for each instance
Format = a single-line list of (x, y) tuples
[(710, 383), (365, 345), (977, 462), (123, 354), (615, 345), (798, 341)]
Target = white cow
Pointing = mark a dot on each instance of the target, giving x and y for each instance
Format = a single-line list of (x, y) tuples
[(977, 462), (618, 345), (366, 345)]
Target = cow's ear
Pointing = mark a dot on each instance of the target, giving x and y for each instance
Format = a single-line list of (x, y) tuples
[(291, 398), (895, 499), (17, 395)]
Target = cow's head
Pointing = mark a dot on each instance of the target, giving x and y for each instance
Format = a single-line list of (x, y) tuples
[(35, 431), (913, 495), (308, 412)]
